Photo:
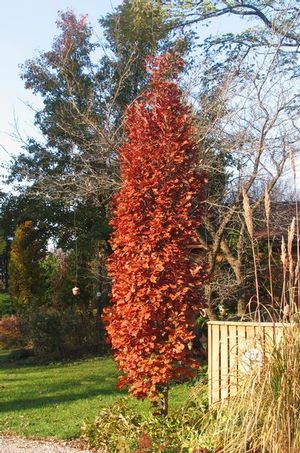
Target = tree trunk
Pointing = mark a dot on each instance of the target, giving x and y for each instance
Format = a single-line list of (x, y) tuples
[(210, 310), (241, 299), (165, 402), (161, 406)]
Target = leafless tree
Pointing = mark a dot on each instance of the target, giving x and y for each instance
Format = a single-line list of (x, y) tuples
[(246, 131)]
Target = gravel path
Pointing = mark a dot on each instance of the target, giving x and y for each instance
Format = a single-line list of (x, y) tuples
[(14, 444)]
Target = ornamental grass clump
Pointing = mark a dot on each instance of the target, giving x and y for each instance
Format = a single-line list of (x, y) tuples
[(265, 414)]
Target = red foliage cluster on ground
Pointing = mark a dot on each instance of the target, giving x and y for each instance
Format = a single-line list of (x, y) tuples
[(155, 294), (11, 332)]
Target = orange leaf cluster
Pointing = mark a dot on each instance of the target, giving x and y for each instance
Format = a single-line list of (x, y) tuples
[(155, 294)]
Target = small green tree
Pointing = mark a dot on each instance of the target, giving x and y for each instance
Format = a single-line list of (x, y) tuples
[(25, 276)]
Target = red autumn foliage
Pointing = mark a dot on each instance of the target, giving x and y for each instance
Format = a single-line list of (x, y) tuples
[(11, 332), (155, 294)]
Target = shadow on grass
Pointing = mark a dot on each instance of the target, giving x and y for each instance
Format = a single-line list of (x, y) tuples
[(62, 381), (45, 401), (7, 361), (36, 386)]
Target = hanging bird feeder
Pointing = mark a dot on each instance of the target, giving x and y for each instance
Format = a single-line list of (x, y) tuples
[(75, 291)]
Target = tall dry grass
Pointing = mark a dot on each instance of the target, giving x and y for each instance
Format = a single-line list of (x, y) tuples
[(264, 417), (248, 214), (268, 212), (287, 305)]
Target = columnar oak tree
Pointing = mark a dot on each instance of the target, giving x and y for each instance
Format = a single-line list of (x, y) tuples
[(156, 288)]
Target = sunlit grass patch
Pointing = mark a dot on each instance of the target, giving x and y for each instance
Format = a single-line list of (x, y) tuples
[(54, 400)]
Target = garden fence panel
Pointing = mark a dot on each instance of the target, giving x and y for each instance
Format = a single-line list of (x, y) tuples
[(233, 349)]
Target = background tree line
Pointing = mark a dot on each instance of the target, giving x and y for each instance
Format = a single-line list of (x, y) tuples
[(243, 89)]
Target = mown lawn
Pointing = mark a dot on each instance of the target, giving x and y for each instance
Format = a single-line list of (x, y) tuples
[(54, 400)]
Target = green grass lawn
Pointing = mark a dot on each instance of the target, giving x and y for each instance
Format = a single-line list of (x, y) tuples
[(54, 400)]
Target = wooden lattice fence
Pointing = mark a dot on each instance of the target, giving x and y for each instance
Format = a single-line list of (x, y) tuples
[(233, 348)]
